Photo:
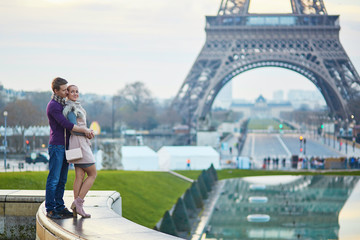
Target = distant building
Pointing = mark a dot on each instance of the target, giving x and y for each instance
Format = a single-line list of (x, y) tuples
[(228, 127), (306, 98), (181, 129), (10, 95), (261, 108), (278, 96)]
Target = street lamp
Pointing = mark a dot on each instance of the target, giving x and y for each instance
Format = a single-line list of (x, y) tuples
[(113, 111), (341, 130), (112, 116), (5, 143), (334, 133), (189, 119), (328, 127), (346, 134), (353, 137)]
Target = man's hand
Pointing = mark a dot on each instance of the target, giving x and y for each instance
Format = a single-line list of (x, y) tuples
[(89, 134)]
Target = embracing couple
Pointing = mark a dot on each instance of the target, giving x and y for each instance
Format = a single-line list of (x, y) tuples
[(67, 120)]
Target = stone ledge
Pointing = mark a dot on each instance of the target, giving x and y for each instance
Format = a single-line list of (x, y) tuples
[(106, 221), (22, 195), (20, 202)]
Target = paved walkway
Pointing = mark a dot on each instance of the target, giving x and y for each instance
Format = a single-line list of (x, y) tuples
[(345, 149)]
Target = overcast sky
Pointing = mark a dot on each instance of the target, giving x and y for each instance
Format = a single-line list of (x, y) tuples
[(101, 45)]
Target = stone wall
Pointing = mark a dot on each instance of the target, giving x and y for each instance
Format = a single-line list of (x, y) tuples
[(17, 213)]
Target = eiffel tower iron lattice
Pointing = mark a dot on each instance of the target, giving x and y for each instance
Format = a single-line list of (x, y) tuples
[(305, 41)]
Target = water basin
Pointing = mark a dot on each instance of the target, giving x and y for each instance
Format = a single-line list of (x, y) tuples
[(292, 207)]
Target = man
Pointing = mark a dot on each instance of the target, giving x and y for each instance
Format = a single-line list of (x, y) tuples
[(58, 166)]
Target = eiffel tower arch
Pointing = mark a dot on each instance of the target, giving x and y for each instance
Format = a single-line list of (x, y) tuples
[(305, 41)]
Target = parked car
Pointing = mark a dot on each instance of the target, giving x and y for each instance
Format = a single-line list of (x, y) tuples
[(35, 157)]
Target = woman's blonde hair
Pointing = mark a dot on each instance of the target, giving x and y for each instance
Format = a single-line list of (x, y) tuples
[(68, 88)]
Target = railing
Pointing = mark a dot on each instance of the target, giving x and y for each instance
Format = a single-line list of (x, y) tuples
[(272, 20)]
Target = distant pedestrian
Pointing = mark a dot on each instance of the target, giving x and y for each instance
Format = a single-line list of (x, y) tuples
[(188, 164), (346, 163), (304, 163), (273, 163), (264, 163), (352, 162)]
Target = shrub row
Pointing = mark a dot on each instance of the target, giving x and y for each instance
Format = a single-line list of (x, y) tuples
[(178, 220)]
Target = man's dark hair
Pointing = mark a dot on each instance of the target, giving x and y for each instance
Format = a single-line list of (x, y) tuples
[(57, 82)]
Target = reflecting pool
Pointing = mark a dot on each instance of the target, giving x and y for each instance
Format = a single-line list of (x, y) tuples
[(287, 207)]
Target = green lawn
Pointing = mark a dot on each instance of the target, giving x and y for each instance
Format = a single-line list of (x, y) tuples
[(145, 195), (263, 124)]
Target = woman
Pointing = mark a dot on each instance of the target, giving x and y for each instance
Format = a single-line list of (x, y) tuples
[(76, 114)]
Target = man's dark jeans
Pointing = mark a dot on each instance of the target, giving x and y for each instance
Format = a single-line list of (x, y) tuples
[(55, 184)]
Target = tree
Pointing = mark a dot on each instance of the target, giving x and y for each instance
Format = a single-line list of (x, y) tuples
[(21, 115), (100, 111), (169, 116), (135, 95), (354, 107), (135, 106), (40, 101), (2, 98), (310, 117)]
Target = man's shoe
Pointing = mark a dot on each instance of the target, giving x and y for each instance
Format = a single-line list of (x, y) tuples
[(53, 215), (65, 213)]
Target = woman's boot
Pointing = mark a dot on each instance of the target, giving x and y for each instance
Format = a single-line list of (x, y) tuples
[(77, 207), (73, 208)]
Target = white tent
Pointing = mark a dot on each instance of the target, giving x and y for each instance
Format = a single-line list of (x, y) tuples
[(242, 162), (139, 158), (176, 157)]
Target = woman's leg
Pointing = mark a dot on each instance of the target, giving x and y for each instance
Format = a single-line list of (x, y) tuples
[(87, 184), (79, 177)]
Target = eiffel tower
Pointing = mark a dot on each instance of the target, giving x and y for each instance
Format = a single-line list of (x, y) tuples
[(305, 41)]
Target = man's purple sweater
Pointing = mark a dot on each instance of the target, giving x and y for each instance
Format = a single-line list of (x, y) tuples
[(57, 122)]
